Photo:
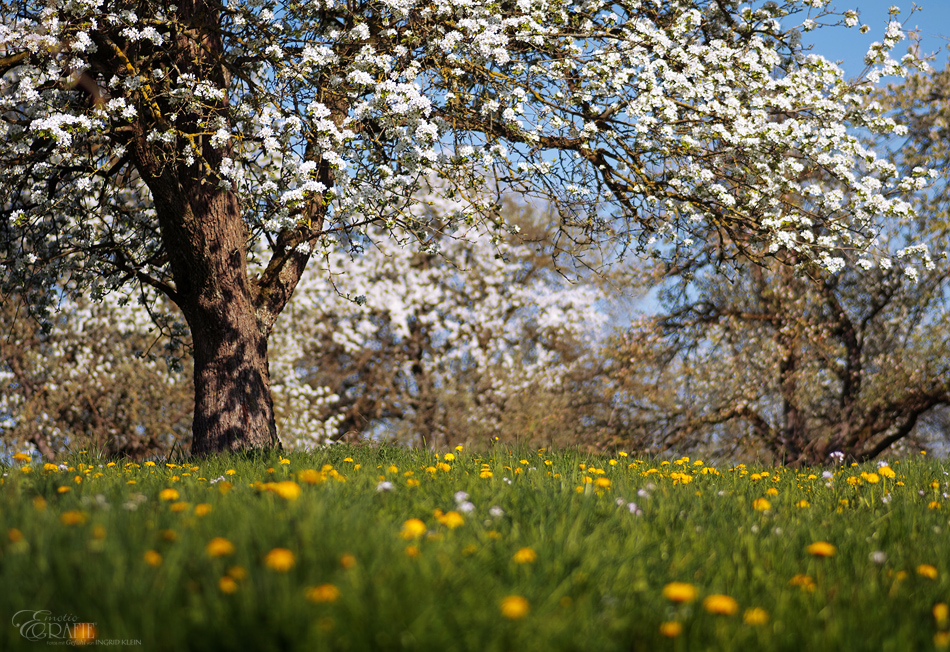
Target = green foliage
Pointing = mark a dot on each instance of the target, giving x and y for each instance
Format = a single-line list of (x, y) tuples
[(597, 582)]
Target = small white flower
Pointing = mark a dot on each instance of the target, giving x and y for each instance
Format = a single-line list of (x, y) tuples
[(496, 511), (385, 485)]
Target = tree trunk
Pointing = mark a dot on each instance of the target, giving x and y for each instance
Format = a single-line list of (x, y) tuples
[(206, 240), (233, 405), (205, 237)]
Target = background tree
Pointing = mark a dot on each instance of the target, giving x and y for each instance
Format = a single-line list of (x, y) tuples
[(471, 340), (97, 380), (169, 145), (795, 362)]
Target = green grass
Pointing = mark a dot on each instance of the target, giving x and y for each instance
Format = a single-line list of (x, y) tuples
[(596, 583)]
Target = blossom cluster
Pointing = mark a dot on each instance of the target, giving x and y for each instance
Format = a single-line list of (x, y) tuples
[(640, 122)]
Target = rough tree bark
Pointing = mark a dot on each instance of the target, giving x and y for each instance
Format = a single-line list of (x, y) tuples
[(205, 238)]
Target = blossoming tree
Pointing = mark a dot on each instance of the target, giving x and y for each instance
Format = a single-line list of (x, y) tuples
[(445, 344), (800, 362), (171, 144)]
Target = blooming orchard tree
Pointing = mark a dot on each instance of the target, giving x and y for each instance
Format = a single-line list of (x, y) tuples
[(442, 344), (96, 381), (798, 362), (168, 143)]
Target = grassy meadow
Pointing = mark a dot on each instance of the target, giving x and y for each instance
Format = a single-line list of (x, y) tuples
[(382, 548)]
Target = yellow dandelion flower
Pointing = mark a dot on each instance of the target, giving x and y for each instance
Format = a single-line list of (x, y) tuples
[(227, 585), (152, 558), (941, 613), (803, 581), (761, 505), (288, 489), (237, 573), (39, 503), (933, 504), (150, 463), (311, 476), (169, 494), (803, 504), (284, 460), (928, 571), (887, 472), (448, 457), (169, 535), (755, 616), (942, 639), (279, 559), (63, 489), (412, 551), (72, 517), (412, 482), (179, 506), (872, 478), (603, 483), (821, 549), (323, 593), (413, 529), (680, 592), (854, 481), (83, 633), (525, 556), (720, 604), (202, 509), (230, 472), (485, 474), (452, 520), (219, 547), (671, 628), (21, 457), (514, 607), (347, 561), (14, 535)]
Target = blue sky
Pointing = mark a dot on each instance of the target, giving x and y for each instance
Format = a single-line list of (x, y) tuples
[(849, 45)]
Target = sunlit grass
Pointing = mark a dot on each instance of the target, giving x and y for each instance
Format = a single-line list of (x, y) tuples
[(387, 548)]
